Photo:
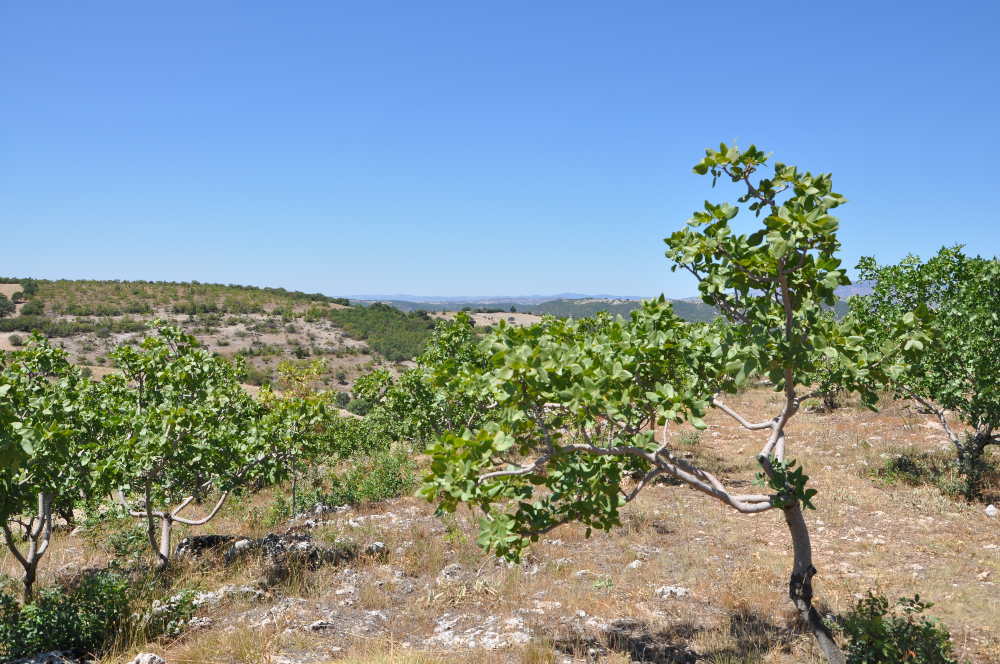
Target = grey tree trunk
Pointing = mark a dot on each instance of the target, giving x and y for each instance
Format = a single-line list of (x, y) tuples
[(800, 586), (39, 535)]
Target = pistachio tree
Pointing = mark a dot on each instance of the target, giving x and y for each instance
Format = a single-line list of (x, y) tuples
[(579, 408), (293, 418), (410, 407), (960, 371), (48, 435), (185, 428)]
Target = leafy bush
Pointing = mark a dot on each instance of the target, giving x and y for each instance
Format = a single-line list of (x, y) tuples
[(33, 308), (6, 306), (138, 308), (689, 438), (86, 617), (388, 331), (15, 340), (359, 407), (342, 399), (378, 476), (880, 638), (17, 296), (53, 329), (974, 479), (301, 352)]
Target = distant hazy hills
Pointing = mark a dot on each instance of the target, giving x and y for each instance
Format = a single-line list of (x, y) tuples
[(483, 300), (576, 305)]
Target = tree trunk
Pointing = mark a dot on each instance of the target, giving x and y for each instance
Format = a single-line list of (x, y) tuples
[(294, 478), (800, 586), (40, 527), (163, 555), (162, 548)]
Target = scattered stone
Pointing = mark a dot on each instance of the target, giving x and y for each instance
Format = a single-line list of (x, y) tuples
[(635, 564), (377, 550), (279, 550), (985, 576), (489, 634), (227, 594), (563, 561), (582, 573), (192, 547), (320, 625), (992, 511), (453, 573), (239, 548), (53, 657), (541, 607), (148, 658), (666, 592)]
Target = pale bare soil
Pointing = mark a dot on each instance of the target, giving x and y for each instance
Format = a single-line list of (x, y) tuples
[(482, 320), (10, 289), (595, 599), (338, 351)]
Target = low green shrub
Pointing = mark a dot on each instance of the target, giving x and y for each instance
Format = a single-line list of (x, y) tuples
[(87, 617), (33, 308), (975, 480), (138, 308), (689, 438), (378, 476), (342, 399), (880, 637), (15, 340), (359, 407)]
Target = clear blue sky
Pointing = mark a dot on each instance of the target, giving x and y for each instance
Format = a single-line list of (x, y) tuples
[(473, 147)]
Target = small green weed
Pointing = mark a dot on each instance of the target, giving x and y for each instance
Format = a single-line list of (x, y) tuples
[(878, 637)]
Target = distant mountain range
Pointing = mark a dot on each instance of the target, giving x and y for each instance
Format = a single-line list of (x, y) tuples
[(862, 288), (489, 299), (574, 305)]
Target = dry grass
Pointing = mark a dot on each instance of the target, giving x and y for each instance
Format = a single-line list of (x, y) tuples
[(867, 534)]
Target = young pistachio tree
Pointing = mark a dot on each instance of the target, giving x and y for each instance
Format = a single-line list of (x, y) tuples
[(411, 408), (48, 433), (292, 418), (185, 426), (960, 372), (575, 405)]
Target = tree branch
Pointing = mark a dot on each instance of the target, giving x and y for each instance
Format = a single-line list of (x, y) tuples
[(200, 522)]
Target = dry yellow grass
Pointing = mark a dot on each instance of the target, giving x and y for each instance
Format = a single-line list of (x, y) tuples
[(866, 534)]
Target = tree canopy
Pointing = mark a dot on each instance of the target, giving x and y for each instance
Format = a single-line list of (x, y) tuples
[(960, 371)]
